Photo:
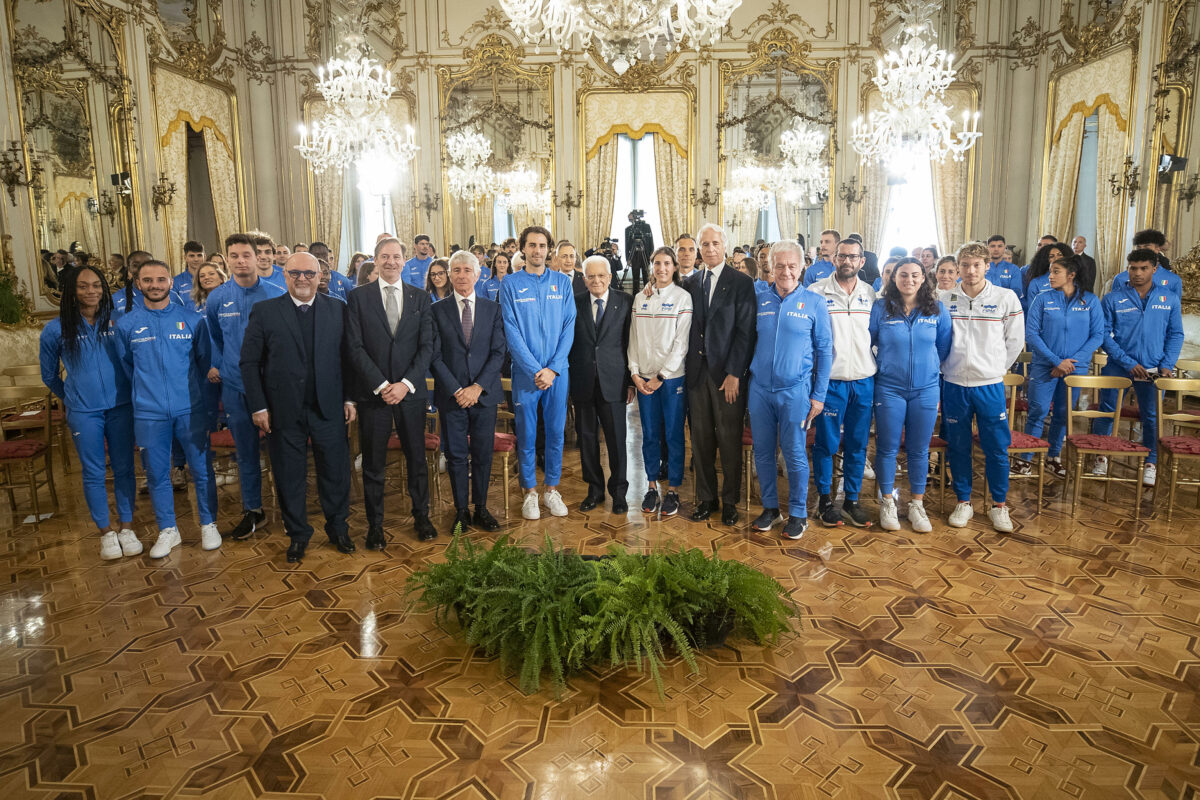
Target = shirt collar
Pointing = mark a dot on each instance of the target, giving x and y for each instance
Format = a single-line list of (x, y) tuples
[(299, 303), (462, 298), (716, 271), (399, 284), (592, 298)]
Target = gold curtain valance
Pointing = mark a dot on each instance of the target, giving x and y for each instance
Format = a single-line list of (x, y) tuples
[(204, 123), (1087, 109), (635, 134)]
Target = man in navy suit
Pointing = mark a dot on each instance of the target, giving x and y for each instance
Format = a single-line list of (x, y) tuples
[(468, 354), (389, 344), (291, 364)]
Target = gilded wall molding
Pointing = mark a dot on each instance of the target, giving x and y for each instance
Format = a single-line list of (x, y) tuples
[(493, 19), (778, 50), (781, 14), (640, 77), (1075, 42), (493, 58), (1188, 268)]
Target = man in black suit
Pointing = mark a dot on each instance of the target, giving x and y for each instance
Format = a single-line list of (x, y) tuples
[(567, 262), (292, 368), (719, 352), (469, 352), (870, 267), (389, 343), (600, 383)]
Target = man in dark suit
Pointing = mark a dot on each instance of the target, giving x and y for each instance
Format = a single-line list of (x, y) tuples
[(870, 267), (600, 383), (389, 343), (467, 357), (719, 352), (291, 363)]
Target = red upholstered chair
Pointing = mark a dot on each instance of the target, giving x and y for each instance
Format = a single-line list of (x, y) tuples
[(504, 445), (1022, 442), (433, 446), (1173, 447), (28, 446), (1113, 447), (31, 375)]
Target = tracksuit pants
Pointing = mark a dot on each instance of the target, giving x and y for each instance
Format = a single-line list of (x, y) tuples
[(246, 444), (1042, 390), (92, 432), (777, 422), (911, 414), (527, 399), (986, 405), (1147, 403), (662, 421), (845, 421), (155, 437)]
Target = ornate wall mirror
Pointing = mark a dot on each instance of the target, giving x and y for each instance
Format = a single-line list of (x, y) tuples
[(498, 143), (777, 93)]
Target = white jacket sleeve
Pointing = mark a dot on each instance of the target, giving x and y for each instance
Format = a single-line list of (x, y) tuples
[(633, 345), (683, 330), (1014, 328)]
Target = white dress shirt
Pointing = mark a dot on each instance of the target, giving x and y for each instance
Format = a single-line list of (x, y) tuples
[(593, 298), (399, 314), (716, 276), (461, 299)]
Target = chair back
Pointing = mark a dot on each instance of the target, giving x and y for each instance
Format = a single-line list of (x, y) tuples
[(1093, 384), (22, 369), (21, 404), (1174, 413), (1012, 382), (504, 414), (1185, 365), (1099, 361)]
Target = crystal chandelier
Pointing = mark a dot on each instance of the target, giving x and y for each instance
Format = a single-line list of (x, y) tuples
[(518, 192), (913, 126), (468, 176), (803, 148), (625, 31)]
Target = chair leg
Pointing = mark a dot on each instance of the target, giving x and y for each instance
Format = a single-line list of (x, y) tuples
[(1173, 466), (1137, 491), (33, 493), (53, 491), (746, 471), (1041, 468), (1078, 483), (506, 479)]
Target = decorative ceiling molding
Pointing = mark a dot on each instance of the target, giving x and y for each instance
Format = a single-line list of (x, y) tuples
[(780, 13), (493, 19), (1075, 42), (641, 75), (1180, 49)]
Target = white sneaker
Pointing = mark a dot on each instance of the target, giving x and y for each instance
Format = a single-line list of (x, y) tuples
[(1020, 468), (887, 514), (961, 515), (868, 471), (442, 463), (1150, 475), (168, 539), (1100, 465), (529, 506), (1000, 519), (918, 518), (554, 502), (210, 537), (110, 548), (131, 545)]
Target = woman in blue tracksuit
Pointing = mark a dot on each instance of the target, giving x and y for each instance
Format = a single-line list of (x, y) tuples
[(911, 333), (1037, 277), (164, 349), (1064, 326), (95, 396)]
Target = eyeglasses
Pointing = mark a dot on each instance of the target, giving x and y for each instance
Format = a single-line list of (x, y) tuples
[(307, 274), (847, 256), (438, 274)]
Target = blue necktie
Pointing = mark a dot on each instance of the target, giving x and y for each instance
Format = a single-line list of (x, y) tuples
[(599, 311), (707, 285)]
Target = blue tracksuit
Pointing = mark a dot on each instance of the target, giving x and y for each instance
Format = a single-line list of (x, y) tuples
[(761, 286), (909, 353), (118, 298), (1036, 286), (1164, 280), (487, 287), (183, 282), (1008, 275), (1146, 331), (339, 285), (1055, 329), (792, 358), (819, 269), (414, 271), (276, 277), (539, 324), (228, 313), (96, 399), (165, 355)]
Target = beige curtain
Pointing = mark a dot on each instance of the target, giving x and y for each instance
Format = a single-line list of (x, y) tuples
[(600, 189), (875, 205), (222, 177), (786, 211), (671, 172), (404, 213), (950, 203), (175, 216), (329, 187), (1110, 158), (1062, 178)]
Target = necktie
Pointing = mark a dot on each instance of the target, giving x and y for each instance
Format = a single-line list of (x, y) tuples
[(392, 308), (304, 308), (468, 322), (707, 285), (599, 310)]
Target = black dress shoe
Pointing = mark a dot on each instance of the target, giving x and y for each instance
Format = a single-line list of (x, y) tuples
[(620, 506), (703, 511), (484, 519), (343, 543), (295, 551), (729, 514), (425, 530), (375, 539), (590, 502), (462, 523)]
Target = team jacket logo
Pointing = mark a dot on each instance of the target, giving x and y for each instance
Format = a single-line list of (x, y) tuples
[(141, 329), (523, 290), (227, 305), (181, 326), (990, 308)]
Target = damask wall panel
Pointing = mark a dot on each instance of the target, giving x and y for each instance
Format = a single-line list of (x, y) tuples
[(952, 182)]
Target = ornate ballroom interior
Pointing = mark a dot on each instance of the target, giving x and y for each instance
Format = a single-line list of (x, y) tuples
[(1060, 661)]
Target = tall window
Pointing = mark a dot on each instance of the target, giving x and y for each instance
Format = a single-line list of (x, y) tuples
[(1086, 186), (637, 188), (366, 213), (910, 220), (502, 222), (768, 223)]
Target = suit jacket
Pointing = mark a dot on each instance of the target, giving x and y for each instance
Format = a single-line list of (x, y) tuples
[(870, 268), (273, 360), (455, 364), (375, 354), (601, 353), (578, 284), (724, 333), (1090, 262)]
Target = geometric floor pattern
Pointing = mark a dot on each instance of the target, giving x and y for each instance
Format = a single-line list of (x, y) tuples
[(1061, 661)]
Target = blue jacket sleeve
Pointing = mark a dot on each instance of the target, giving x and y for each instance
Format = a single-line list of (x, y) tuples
[(874, 322), (1033, 331), (49, 352), (566, 337), (1083, 356), (522, 357), (202, 347), (1174, 342), (213, 328), (1115, 353), (945, 333), (822, 352), (124, 352)]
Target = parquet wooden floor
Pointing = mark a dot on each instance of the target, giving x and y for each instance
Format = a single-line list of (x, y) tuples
[(1058, 662)]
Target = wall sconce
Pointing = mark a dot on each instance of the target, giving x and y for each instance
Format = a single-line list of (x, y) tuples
[(822, 197), (430, 203), (851, 195), (705, 200), (92, 206), (12, 170), (55, 226), (1189, 191), (162, 193), (569, 203), (106, 207), (1128, 183)]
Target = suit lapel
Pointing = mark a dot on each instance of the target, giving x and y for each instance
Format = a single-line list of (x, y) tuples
[(288, 310), (456, 318)]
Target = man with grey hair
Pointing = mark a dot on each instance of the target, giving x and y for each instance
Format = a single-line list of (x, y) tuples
[(721, 344)]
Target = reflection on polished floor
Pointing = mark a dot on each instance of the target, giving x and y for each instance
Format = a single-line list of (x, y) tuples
[(1060, 661)]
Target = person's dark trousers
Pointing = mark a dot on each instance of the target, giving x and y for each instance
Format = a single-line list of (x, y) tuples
[(375, 423), (611, 419), (716, 426), (288, 445), (469, 434)]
